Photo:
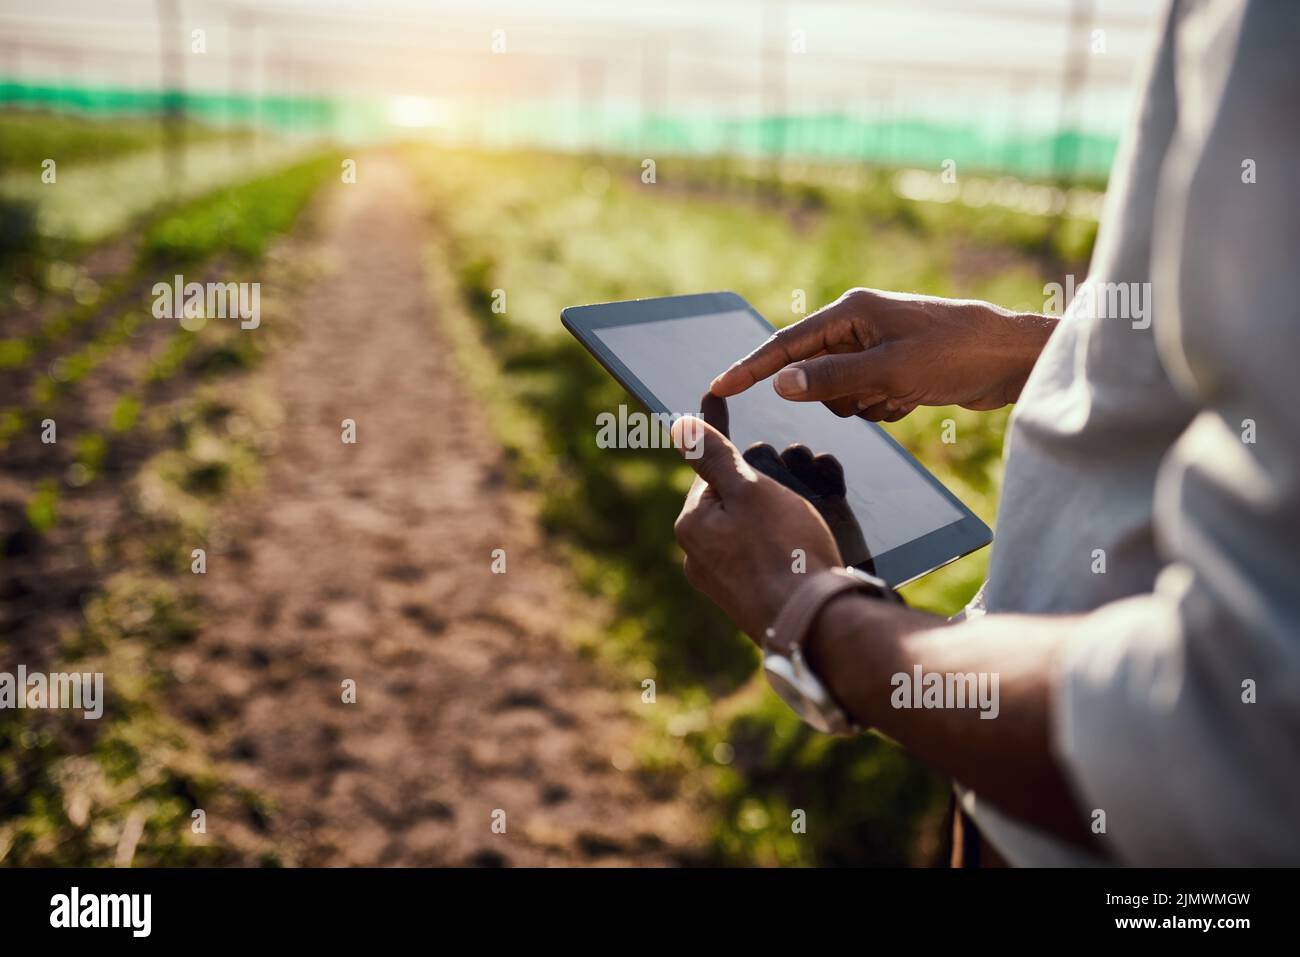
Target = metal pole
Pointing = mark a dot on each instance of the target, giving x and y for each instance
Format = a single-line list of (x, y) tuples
[(173, 95), (1076, 72)]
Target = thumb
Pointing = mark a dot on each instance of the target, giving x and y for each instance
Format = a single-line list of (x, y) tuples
[(712, 456), (836, 375)]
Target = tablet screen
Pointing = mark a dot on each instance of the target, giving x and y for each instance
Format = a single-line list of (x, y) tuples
[(676, 359)]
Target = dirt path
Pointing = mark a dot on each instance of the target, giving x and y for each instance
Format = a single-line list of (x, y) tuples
[(373, 562)]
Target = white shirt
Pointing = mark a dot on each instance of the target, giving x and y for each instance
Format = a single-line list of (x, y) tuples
[(1169, 456)]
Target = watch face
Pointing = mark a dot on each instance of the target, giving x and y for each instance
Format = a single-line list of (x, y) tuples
[(803, 693)]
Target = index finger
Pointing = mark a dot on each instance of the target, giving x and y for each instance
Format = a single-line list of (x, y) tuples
[(801, 340)]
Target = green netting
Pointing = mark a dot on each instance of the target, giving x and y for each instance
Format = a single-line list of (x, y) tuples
[(839, 136)]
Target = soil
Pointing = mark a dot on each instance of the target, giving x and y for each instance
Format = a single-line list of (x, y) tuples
[(372, 562)]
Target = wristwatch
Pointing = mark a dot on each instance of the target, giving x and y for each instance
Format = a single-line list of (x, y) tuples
[(783, 660)]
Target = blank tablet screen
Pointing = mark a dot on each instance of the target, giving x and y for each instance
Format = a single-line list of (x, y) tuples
[(677, 358)]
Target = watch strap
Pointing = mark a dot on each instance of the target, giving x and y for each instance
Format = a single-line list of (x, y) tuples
[(796, 617)]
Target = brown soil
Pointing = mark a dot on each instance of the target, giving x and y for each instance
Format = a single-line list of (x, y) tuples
[(44, 580), (372, 562)]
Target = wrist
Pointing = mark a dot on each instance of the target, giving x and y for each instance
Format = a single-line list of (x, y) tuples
[(1012, 342), (855, 645), (1030, 334)]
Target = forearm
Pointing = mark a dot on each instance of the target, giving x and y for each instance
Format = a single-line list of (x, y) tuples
[(858, 645)]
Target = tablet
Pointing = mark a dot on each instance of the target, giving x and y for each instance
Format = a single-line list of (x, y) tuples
[(665, 352)]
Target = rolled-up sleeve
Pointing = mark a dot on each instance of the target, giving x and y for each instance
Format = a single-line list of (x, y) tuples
[(1177, 713)]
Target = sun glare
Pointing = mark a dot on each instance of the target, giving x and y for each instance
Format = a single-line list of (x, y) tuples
[(416, 111)]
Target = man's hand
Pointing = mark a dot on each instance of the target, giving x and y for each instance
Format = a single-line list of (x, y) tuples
[(740, 529), (881, 354), (819, 479)]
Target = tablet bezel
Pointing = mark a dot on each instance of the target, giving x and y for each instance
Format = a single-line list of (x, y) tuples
[(900, 565)]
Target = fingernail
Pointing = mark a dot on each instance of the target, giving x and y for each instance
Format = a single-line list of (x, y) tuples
[(791, 382), (687, 435)]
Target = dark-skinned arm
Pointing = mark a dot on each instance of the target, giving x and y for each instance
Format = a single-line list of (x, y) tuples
[(858, 644)]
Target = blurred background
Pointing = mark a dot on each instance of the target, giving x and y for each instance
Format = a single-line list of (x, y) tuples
[(562, 153)]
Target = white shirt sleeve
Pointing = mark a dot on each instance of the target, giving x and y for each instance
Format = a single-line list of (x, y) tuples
[(1177, 713)]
